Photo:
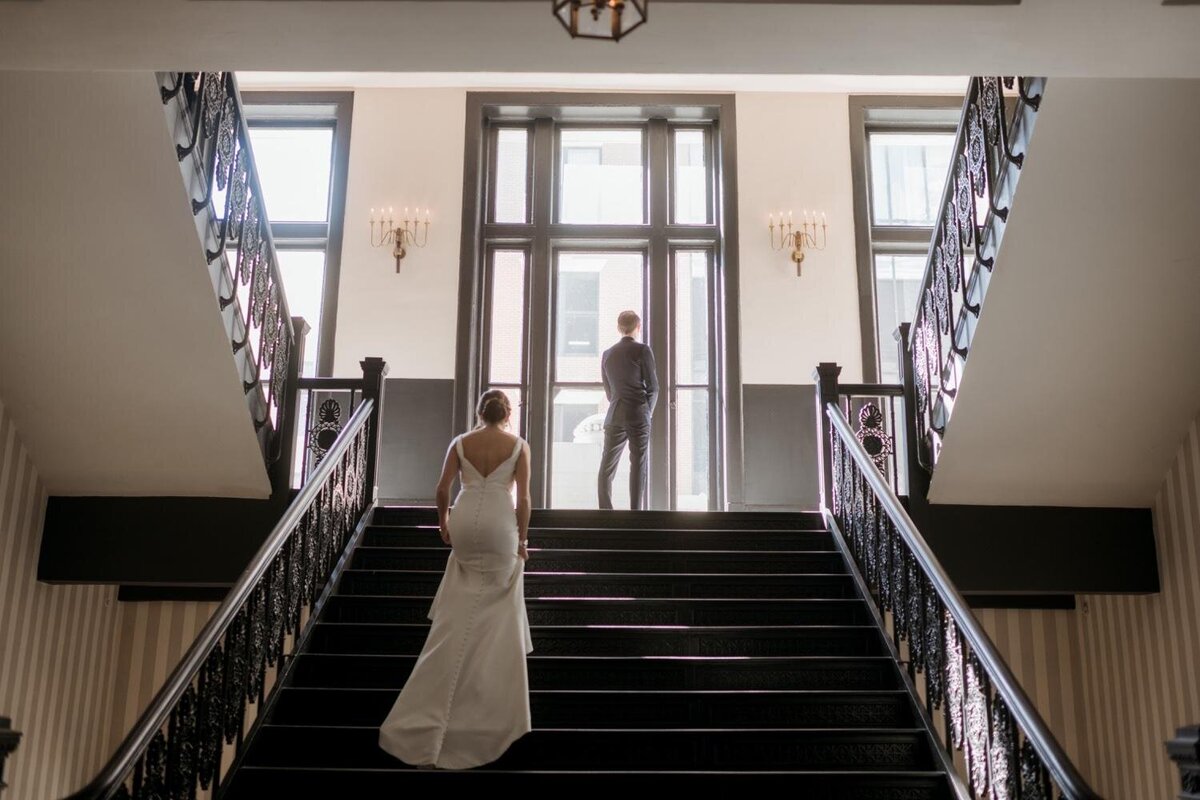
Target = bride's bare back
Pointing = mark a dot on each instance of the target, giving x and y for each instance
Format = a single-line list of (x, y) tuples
[(488, 448)]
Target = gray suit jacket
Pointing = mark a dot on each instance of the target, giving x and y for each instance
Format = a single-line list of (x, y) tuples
[(630, 382)]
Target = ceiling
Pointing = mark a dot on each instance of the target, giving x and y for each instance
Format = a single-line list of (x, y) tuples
[(608, 81), (1102, 38), (1082, 377), (114, 362)]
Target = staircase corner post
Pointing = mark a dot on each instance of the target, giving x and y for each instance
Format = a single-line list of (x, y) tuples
[(281, 469), (1184, 750), (918, 476), (375, 371), (826, 378), (8, 743)]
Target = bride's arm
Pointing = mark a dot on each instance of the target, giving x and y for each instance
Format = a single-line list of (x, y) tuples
[(524, 501), (449, 471)]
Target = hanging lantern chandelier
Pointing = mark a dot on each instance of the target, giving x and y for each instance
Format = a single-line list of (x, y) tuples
[(600, 19)]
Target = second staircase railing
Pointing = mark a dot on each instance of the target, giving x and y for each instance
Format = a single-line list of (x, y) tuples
[(1008, 751), (986, 161), (228, 195)]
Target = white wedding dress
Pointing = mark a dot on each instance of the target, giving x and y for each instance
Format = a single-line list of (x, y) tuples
[(467, 698)]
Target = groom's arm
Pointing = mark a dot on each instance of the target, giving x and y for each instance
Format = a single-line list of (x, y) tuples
[(608, 390), (650, 378)]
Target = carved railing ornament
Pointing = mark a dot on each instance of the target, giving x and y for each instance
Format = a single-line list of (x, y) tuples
[(964, 243), (1007, 750), (873, 437)]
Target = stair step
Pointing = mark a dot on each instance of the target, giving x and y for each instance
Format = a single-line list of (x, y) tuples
[(623, 561), (626, 539), (417, 583), (556, 672), (624, 709), (587, 611), (623, 749), (259, 782), (660, 520), (718, 642)]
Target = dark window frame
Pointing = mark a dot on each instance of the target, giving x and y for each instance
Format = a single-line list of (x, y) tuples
[(894, 113), (271, 109), (658, 235)]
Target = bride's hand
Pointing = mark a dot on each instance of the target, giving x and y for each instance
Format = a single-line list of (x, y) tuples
[(445, 532), (522, 551)]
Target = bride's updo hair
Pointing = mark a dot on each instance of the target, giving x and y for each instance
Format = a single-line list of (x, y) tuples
[(493, 408)]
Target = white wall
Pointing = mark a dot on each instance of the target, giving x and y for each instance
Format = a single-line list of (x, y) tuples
[(793, 151), (406, 149), (114, 360)]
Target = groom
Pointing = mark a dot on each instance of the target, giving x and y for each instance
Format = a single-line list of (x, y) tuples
[(632, 389)]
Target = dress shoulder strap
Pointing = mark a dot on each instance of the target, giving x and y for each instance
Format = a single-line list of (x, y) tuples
[(517, 448), (458, 447)]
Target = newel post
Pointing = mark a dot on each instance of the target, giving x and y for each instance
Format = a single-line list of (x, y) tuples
[(826, 377), (1184, 750), (281, 470), (8, 742), (375, 370), (918, 476)]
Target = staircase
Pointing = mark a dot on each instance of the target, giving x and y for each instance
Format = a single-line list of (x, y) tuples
[(729, 649)]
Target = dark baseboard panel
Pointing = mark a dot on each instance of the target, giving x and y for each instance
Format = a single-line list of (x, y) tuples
[(1038, 550), (1054, 602), (152, 541)]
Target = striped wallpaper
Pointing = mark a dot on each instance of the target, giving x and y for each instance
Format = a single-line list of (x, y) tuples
[(58, 646), (1042, 649), (152, 639), (1115, 677), (1141, 653)]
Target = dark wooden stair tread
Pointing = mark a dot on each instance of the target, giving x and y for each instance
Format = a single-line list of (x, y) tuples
[(729, 650)]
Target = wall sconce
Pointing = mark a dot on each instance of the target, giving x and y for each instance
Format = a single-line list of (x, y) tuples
[(811, 235), (413, 232)]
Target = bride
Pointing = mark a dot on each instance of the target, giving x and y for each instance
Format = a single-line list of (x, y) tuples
[(467, 698)]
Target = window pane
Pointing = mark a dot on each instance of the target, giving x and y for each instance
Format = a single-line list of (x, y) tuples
[(691, 450), (691, 317), (691, 178), (577, 438), (908, 174), (512, 158), (602, 177), (303, 273), (293, 165), (897, 282), (507, 334), (591, 289)]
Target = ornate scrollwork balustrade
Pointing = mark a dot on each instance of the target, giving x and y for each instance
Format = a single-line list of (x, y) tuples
[(987, 157), (955, 669), (325, 405), (218, 140), (195, 727)]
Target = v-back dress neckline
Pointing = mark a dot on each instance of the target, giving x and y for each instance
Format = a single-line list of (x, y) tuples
[(462, 456)]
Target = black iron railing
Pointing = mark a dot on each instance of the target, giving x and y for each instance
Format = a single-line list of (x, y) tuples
[(231, 198), (326, 406), (182, 740), (877, 415), (1008, 751), (987, 157)]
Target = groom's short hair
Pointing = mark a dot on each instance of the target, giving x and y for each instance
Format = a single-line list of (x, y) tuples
[(628, 321)]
